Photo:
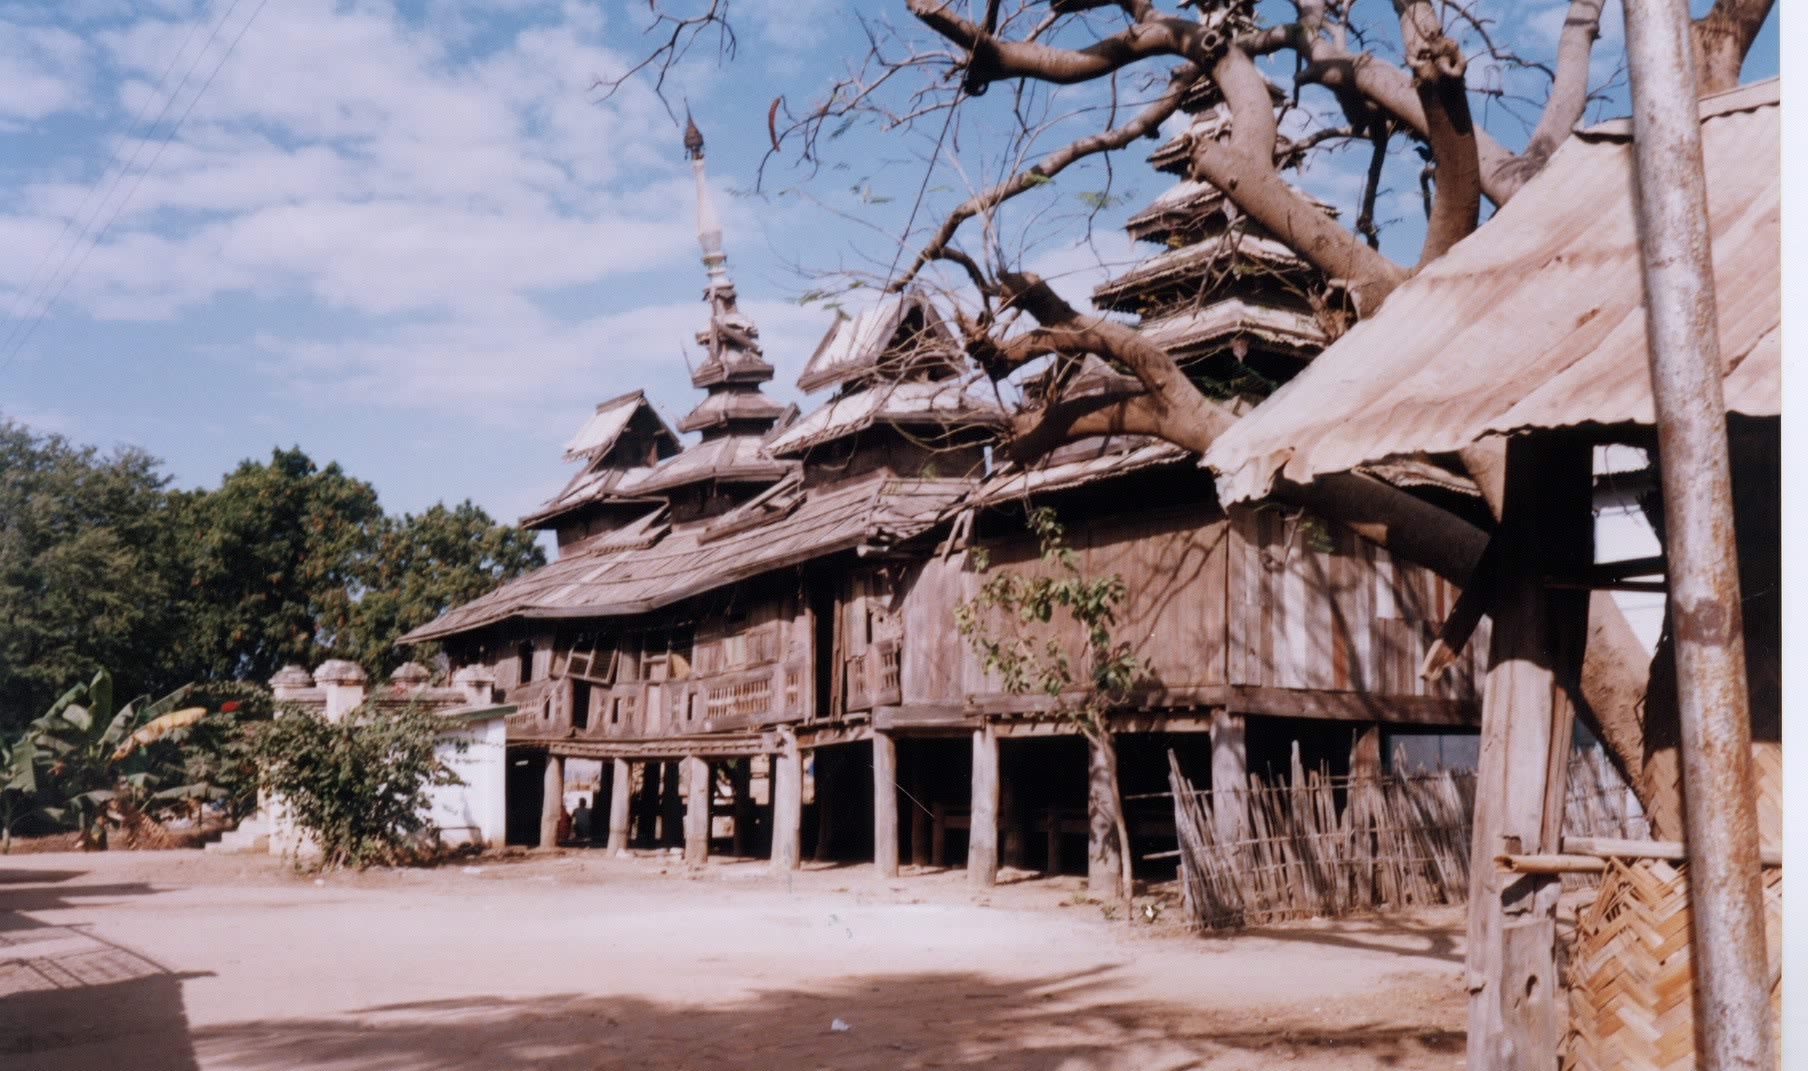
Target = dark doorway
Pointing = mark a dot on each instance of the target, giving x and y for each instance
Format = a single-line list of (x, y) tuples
[(526, 791)]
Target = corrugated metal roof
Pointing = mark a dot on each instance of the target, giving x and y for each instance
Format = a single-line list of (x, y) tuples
[(857, 346), (944, 402), (1536, 320), (597, 580), (1191, 263), (729, 457), (1103, 459), (605, 426), (1232, 317)]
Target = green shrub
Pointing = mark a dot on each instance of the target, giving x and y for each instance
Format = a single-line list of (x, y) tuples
[(357, 786)]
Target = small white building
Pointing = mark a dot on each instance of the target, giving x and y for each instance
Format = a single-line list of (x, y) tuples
[(472, 743)]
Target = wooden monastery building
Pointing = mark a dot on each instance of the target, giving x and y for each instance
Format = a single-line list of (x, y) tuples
[(755, 634)]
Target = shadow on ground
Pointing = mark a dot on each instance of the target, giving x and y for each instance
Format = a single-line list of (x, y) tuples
[(945, 1020)]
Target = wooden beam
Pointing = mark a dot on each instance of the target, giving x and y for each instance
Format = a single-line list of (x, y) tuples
[(787, 804), (696, 811), (619, 787), (982, 830), (885, 804)]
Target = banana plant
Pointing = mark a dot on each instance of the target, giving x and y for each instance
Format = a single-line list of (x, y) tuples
[(97, 769), (18, 786)]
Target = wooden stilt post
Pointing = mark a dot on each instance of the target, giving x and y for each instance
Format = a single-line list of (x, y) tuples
[(885, 804), (1010, 849), (696, 811), (1051, 829), (619, 788), (787, 803), (982, 820), (552, 801), (938, 834), (671, 808), (740, 778), (1230, 778), (825, 769), (648, 809), (919, 806), (1516, 1006), (1104, 861)]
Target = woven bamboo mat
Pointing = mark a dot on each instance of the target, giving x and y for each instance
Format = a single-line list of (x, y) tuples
[(1630, 984)]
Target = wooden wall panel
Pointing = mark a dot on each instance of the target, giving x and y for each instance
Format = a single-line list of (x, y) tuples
[(1314, 606)]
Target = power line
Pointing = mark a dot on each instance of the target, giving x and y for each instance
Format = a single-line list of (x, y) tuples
[(32, 326), (132, 135)]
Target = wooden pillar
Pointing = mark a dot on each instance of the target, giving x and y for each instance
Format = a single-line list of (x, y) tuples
[(982, 820), (919, 805), (740, 778), (671, 808), (885, 804), (552, 801), (1010, 849), (648, 833), (1516, 1005), (1051, 829), (619, 786), (787, 803), (696, 811), (1230, 777), (825, 770), (938, 834), (1104, 861)]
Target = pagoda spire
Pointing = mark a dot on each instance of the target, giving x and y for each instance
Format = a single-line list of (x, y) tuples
[(733, 366)]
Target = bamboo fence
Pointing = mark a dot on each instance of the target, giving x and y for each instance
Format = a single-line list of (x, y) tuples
[(1324, 846), (1321, 846)]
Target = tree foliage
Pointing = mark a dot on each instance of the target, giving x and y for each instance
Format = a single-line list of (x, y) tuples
[(286, 561), (87, 576), (357, 785)]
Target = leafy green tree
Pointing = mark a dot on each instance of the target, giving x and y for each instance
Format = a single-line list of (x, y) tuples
[(89, 569), (18, 787), (277, 557), (358, 785), (1022, 626), (422, 565)]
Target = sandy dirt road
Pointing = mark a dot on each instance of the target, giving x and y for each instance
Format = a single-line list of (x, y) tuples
[(155, 960)]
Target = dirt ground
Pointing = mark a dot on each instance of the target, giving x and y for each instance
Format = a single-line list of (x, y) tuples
[(155, 960)]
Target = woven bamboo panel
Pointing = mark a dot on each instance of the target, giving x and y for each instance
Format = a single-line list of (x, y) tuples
[(1630, 983)]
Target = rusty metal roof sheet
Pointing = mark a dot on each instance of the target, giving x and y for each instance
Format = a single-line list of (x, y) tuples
[(1230, 318), (599, 580), (944, 403), (1080, 463), (739, 458), (606, 425), (862, 345), (1537, 319), (1191, 263)]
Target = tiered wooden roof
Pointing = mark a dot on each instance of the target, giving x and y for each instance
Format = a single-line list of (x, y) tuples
[(621, 442), (1224, 297)]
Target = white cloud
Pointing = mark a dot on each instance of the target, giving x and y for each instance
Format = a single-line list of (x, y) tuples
[(38, 66)]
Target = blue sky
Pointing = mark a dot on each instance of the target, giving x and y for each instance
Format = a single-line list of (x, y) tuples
[(415, 239)]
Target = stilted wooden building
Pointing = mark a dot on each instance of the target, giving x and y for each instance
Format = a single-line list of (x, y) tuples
[(755, 633)]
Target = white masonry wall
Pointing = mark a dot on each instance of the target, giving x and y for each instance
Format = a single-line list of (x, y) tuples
[(474, 812)]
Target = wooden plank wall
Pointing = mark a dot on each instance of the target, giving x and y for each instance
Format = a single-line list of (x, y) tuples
[(1315, 606)]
